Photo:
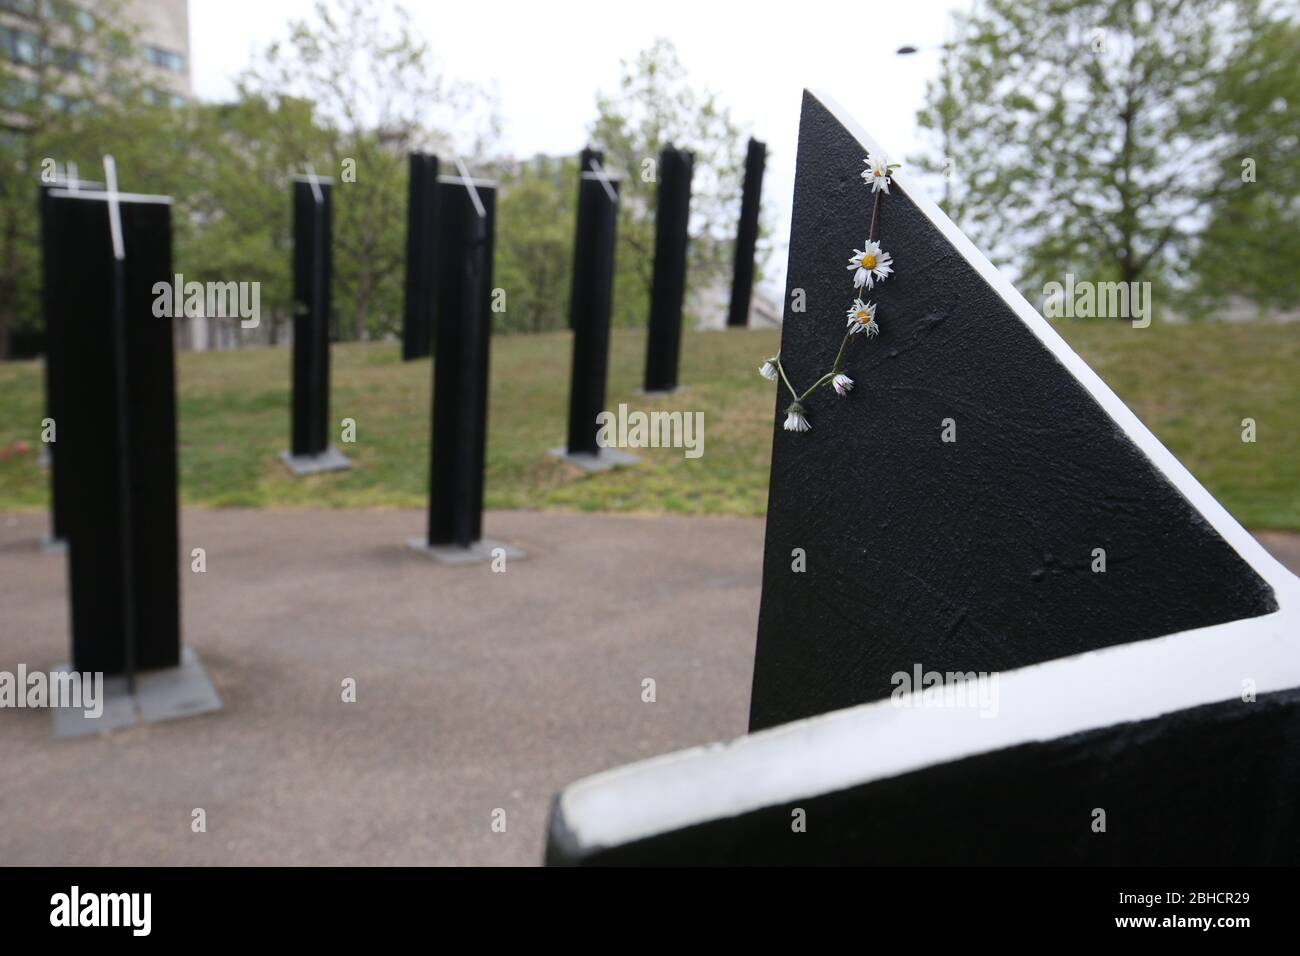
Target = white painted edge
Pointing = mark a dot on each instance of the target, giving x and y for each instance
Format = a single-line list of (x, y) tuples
[(606, 179), (871, 742), (1238, 537), (102, 196), (1046, 701), (468, 180)]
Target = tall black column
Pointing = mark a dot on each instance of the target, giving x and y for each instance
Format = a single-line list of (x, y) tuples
[(54, 344), (588, 160), (462, 324), (117, 412), (312, 267), (672, 218), (742, 282), (589, 306), (417, 323)]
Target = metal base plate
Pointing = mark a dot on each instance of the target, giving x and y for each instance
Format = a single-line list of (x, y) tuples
[(603, 460), (159, 695), (331, 459), (477, 553)]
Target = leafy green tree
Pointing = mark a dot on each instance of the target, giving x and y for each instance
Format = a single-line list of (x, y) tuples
[(234, 213), (536, 210), (1256, 230), (377, 94), (64, 72), (1091, 136), (655, 106)]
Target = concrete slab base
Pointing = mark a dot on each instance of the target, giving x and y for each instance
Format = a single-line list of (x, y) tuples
[(477, 553), (331, 459), (603, 460), (159, 695)]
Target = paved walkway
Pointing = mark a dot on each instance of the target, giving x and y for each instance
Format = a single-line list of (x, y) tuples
[(475, 690)]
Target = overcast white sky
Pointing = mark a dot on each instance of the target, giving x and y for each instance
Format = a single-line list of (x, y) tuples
[(546, 61)]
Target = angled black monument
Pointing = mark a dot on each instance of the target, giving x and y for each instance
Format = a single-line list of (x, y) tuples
[(742, 280), (463, 328), (310, 452), (107, 255), (421, 261), (1000, 622), (590, 297), (668, 288), (966, 554)]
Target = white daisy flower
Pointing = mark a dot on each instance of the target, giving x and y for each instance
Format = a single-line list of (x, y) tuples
[(795, 420), (876, 175), (768, 370), (842, 384), (871, 265), (862, 318)]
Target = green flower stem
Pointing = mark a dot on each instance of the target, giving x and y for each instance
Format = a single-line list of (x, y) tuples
[(781, 368), (835, 367)]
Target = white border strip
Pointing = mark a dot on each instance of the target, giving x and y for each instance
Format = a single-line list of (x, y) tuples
[(870, 742)]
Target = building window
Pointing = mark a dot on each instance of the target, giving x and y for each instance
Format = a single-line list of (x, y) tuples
[(72, 61), (20, 46), (24, 8), (162, 98), (16, 94), (164, 59)]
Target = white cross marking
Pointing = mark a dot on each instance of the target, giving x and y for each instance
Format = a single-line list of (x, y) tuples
[(469, 184), (603, 176)]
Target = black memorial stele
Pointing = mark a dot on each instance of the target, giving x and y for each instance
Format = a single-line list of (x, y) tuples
[(311, 452), (463, 328), (60, 478), (742, 281), (590, 299), (117, 427), (589, 161), (668, 288), (421, 259)]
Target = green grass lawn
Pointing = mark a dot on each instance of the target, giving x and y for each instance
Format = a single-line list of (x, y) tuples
[(1192, 385)]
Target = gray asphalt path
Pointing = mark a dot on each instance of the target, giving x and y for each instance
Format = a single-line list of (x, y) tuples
[(476, 691)]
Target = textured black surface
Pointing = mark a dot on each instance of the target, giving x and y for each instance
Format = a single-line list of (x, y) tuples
[(312, 269), (742, 276), (421, 211), (588, 159), (589, 305), (1213, 785), (463, 323), (118, 416), (59, 477), (672, 220), (973, 555)]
